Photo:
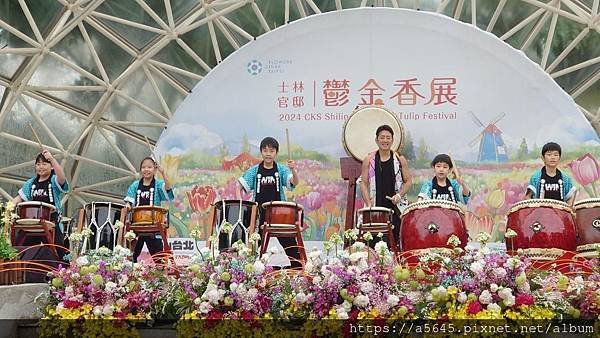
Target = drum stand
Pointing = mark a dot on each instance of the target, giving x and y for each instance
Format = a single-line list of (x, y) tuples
[(117, 233), (239, 222), (284, 230), (351, 171), (375, 228), (44, 228), (146, 229)]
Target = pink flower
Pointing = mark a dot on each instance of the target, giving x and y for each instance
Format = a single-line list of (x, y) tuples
[(524, 299), (474, 308), (585, 169)]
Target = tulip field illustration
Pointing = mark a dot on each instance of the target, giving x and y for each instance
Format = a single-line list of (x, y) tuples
[(201, 179)]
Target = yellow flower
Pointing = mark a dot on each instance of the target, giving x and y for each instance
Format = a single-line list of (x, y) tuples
[(170, 165), (495, 199)]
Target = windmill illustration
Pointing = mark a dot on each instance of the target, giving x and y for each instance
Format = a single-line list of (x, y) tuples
[(491, 145)]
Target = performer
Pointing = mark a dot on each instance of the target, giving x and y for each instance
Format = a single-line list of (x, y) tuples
[(268, 181), (549, 182), (443, 188), (385, 177), (148, 191), (47, 186)]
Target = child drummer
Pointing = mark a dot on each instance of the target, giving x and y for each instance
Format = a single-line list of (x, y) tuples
[(47, 186), (148, 191), (549, 182), (268, 181), (440, 187)]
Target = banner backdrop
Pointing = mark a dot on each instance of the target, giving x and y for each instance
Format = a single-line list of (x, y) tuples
[(456, 89)]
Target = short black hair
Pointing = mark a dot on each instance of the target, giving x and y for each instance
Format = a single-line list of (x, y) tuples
[(384, 127), (269, 142), (551, 146), (442, 158), (147, 158), (40, 158)]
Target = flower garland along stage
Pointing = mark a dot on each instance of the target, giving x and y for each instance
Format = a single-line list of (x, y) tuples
[(350, 285)]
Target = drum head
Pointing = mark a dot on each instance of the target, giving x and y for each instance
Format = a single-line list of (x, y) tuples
[(281, 203), (587, 203), (37, 204), (358, 135)]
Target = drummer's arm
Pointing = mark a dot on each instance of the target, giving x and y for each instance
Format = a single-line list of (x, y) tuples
[(17, 200), (529, 194), (571, 201), (364, 182), (406, 176)]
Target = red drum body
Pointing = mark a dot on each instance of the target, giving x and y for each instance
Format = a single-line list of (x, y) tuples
[(431, 223), (282, 213), (587, 218), (542, 224), (32, 212)]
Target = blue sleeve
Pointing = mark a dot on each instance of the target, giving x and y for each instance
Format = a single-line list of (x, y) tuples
[(533, 184), (248, 179), (425, 192), (568, 187), (165, 195), (64, 188), (286, 176), (131, 192), (458, 194), (25, 191)]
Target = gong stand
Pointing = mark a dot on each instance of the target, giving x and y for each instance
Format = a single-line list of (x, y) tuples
[(351, 170)]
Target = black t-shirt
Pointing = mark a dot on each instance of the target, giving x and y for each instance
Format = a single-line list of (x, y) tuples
[(385, 181), (551, 185), (445, 193), (42, 191), (267, 184), (145, 193)]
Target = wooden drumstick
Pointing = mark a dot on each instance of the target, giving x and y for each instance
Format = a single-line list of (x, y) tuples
[(454, 167), (287, 135), (151, 151), (37, 138)]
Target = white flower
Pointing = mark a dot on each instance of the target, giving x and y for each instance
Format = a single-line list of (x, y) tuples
[(358, 256), (197, 301), (314, 254), (273, 250), (107, 311), (130, 236), (69, 292), (477, 267), (110, 286), (205, 307), (233, 286), (381, 247), (509, 301), (358, 246), (309, 267), (485, 297), (255, 237), (342, 315), (499, 272), (513, 263), (504, 293), (82, 261), (87, 232), (252, 293), (361, 301), (301, 298), (76, 237), (347, 306), (259, 267), (462, 297), (104, 251), (510, 233), (368, 236), (483, 237), (316, 280), (454, 241), (97, 311), (366, 287), (119, 224), (494, 287), (494, 307), (393, 300)]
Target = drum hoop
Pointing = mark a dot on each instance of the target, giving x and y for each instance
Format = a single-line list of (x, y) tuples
[(112, 204), (434, 203), (539, 203), (592, 247), (375, 209), (587, 203), (149, 208), (281, 203), (37, 203), (235, 202), (391, 113), (543, 254)]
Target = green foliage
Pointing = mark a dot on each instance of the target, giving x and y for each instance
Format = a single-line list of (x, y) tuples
[(7, 252)]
